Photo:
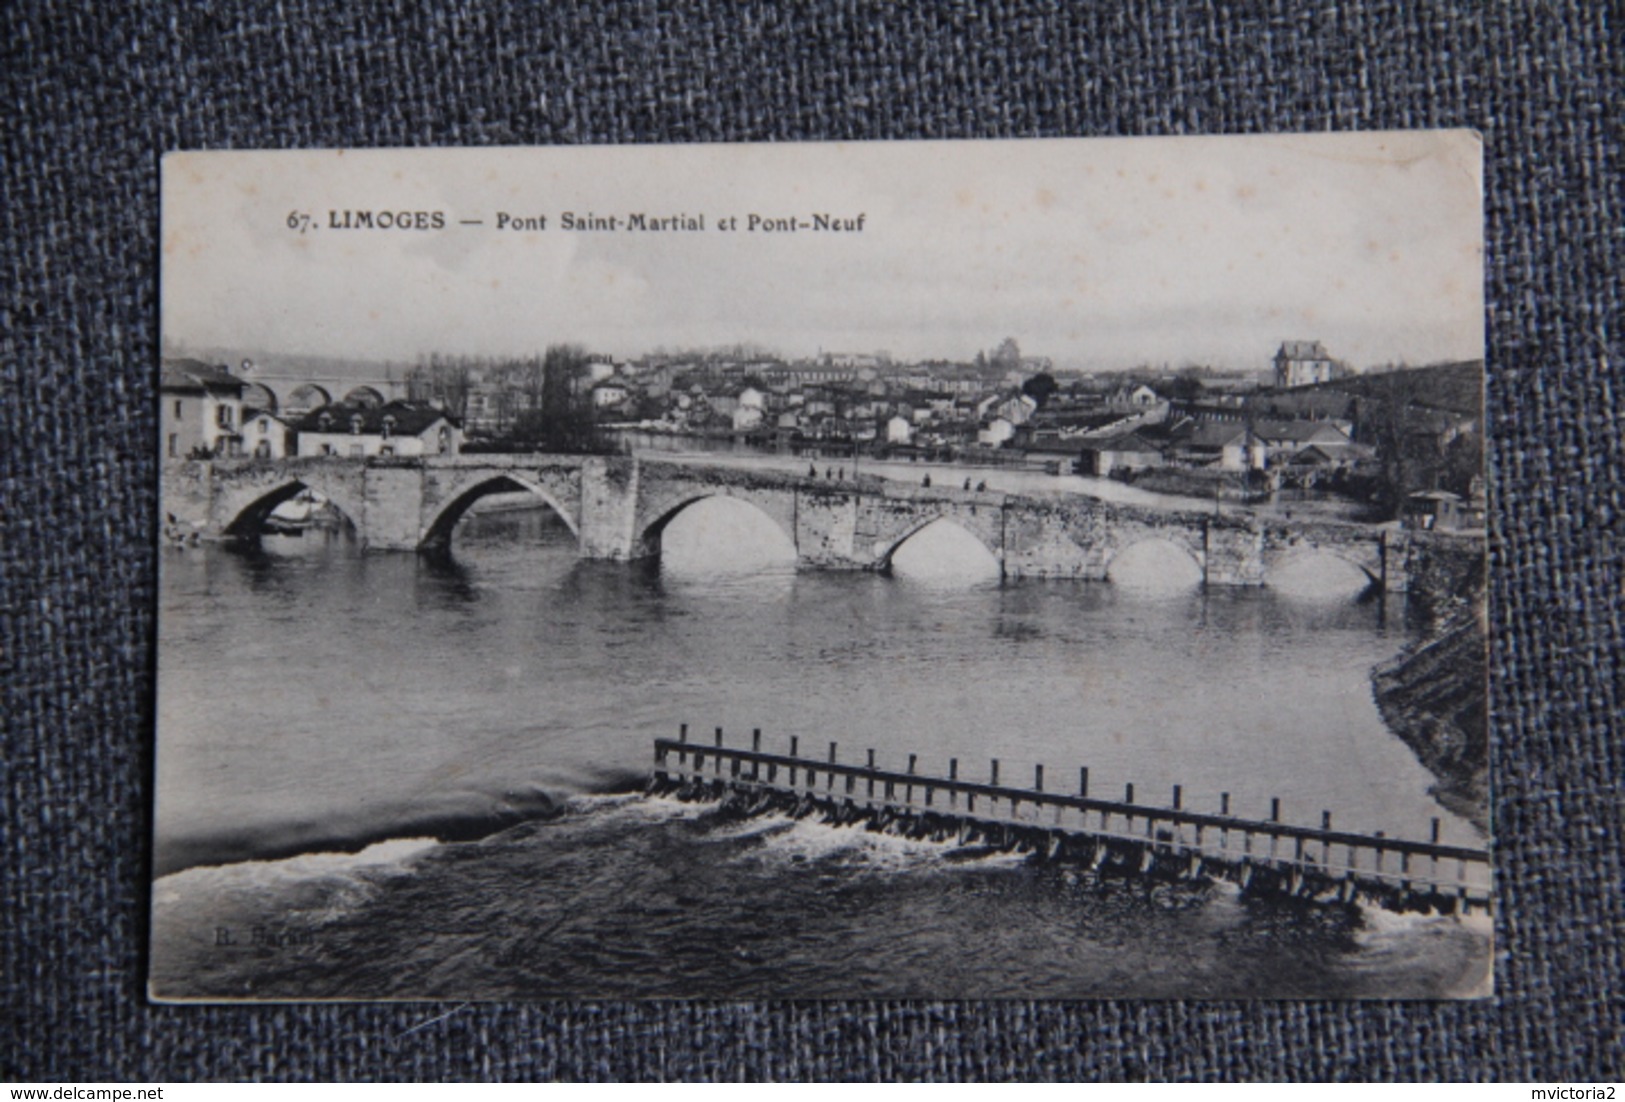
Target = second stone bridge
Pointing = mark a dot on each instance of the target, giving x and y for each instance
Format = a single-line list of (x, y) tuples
[(619, 507)]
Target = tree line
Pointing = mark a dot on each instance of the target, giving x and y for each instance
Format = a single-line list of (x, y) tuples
[(542, 402)]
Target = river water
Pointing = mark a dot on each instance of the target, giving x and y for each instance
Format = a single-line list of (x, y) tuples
[(387, 776)]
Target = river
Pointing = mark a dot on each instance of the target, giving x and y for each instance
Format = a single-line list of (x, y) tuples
[(389, 776)]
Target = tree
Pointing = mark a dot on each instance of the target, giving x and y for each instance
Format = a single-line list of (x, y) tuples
[(1394, 418), (1040, 387), (443, 382), (562, 418), (1007, 356), (1184, 387)]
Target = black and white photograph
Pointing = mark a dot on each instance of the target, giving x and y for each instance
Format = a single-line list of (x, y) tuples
[(927, 570)]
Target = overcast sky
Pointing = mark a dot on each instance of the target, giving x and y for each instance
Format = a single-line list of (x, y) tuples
[(1097, 253)]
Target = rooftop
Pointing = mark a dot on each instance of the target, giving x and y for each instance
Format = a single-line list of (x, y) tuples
[(1303, 350), (197, 377), (406, 418)]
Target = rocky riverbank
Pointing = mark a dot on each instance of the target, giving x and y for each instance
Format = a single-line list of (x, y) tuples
[(1434, 696)]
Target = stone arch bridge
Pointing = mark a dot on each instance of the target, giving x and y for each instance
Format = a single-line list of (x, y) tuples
[(618, 508)]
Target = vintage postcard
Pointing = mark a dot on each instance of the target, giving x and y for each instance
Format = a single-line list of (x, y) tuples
[(935, 570)]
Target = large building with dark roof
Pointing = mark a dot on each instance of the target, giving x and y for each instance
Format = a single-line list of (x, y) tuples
[(400, 428), (1304, 363)]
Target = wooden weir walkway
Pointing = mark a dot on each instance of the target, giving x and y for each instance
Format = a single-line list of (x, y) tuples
[(1110, 836)]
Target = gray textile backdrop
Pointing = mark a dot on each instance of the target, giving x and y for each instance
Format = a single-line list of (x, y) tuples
[(94, 93)]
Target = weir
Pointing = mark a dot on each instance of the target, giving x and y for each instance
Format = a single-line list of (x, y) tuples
[(1110, 837)]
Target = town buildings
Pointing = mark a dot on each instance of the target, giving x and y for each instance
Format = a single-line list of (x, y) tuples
[(1321, 430)]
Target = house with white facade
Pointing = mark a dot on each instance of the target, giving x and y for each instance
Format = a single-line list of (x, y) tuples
[(610, 393), (995, 432), (267, 436)]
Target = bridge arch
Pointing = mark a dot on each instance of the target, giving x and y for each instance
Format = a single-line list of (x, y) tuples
[(364, 395), (886, 551), (248, 514), (261, 397), (1149, 542), (647, 538), (437, 531), (1281, 564), (306, 397)]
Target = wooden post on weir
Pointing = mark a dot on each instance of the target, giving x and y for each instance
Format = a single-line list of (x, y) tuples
[(735, 761), (871, 779), (830, 781), (1178, 796), (1083, 781), (794, 751), (909, 795)]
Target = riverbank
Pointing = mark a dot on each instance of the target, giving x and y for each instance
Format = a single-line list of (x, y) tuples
[(1434, 696)]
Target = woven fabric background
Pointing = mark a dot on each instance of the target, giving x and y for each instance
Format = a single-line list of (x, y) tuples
[(94, 93)]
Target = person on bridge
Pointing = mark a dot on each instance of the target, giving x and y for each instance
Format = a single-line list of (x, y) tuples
[(967, 483), (926, 481), (812, 470)]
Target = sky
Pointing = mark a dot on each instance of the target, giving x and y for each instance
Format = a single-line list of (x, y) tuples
[(1099, 253)]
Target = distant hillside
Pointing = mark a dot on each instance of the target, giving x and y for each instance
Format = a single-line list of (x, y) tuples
[(1458, 387), (296, 365)]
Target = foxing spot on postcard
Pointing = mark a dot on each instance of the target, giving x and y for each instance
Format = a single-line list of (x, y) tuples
[(937, 569)]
